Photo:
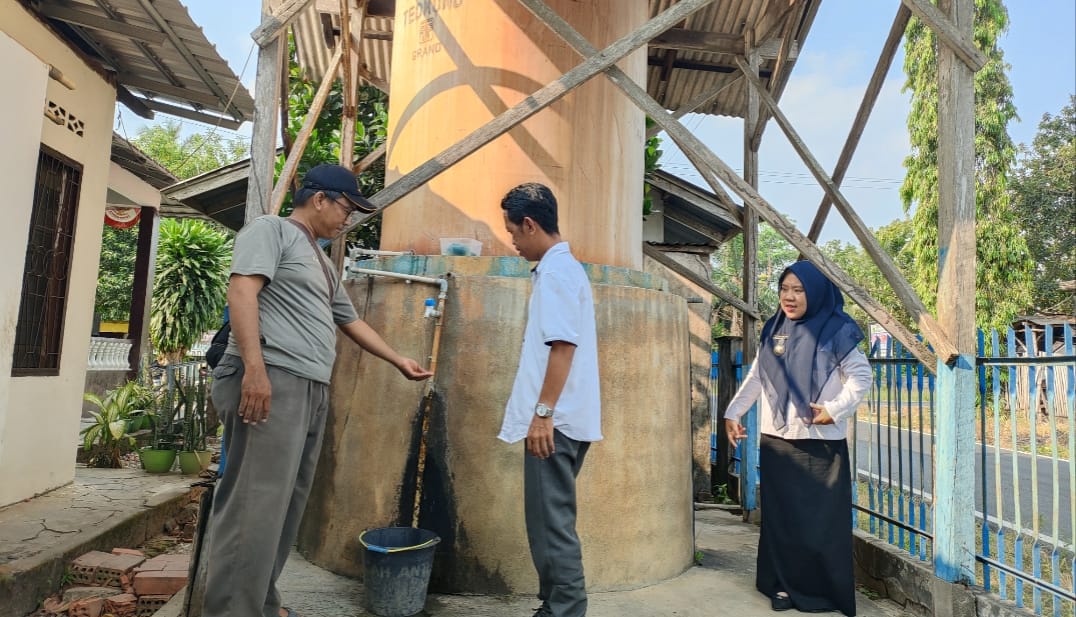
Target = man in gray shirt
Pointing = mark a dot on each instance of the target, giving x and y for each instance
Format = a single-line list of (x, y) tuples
[(272, 388)]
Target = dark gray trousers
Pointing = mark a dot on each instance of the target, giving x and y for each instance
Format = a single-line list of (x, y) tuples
[(259, 501), (549, 502)]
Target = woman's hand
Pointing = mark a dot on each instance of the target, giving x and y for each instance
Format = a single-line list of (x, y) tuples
[(735, 431), (821, 416)]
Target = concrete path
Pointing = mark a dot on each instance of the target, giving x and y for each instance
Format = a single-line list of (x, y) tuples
[(124, 507), (722, 585)]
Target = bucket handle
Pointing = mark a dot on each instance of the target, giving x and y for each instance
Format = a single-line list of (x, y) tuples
[(386, 550)]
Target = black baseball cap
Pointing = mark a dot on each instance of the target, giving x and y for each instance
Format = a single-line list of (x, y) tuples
[(338, 179)]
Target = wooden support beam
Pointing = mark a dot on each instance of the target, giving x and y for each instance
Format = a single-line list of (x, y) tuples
[(273, 23), (291, 164), (961, 44), (370, 158), (784, 52), (670, 263), (695, 103), (531, 105), (681, 39), (870, 97), (142, 290), (285, 94), (96, 22), (351, 59), (263, 141), (373, 80), (954, 473), (715, 172), (190, 114), (134, 103), (903, 289), (705, 67), (159, 87), (749, 226), (783, 57)]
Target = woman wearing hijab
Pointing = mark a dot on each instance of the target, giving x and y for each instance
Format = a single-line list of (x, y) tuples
[(811, 378)]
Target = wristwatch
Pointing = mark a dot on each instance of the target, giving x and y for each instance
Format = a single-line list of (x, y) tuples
[(543, 411)]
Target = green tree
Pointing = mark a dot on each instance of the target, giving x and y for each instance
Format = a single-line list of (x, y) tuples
[(184, 157), (854, 260), (115, 277), (1044, 197), (1004, 266), (774, 255), (188, 156), (371, 130), (190, 286), (651, 163)]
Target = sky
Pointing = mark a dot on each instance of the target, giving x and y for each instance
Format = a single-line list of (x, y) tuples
[(821, 100)]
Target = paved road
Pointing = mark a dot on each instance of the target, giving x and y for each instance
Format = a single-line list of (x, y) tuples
[(917, 458)]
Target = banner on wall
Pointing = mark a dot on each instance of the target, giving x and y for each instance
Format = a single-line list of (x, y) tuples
[(122, 218)]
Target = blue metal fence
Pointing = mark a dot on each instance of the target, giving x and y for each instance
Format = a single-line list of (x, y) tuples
[(1026, 503), (1025, 491)]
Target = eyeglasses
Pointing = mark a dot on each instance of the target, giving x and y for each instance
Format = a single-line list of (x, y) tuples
[(349, 209)]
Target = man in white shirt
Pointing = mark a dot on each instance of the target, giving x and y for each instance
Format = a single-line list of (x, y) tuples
[(555, 402)]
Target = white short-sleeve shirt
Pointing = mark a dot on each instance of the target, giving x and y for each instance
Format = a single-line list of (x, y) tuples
[(561, 308)]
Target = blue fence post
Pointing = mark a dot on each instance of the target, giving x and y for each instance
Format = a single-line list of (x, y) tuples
[(984, 531), (954, 475), (749, 453), (715, 428)]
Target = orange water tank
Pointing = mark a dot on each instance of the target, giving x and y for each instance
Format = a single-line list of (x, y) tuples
[(456, 64)]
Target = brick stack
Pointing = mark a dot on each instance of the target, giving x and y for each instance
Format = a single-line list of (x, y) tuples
[(119, 584)]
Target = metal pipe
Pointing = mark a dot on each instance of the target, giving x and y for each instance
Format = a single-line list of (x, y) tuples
[(427, 400), (376, 253), (429, 280), (427, 404)]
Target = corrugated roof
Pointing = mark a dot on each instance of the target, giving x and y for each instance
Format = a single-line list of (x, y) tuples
[(693, 73), (678, 70), (128, 156), (154, 49), (692, 215), (315, 40)]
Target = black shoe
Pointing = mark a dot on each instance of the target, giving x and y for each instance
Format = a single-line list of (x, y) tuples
[(543, 611), (780, 603)]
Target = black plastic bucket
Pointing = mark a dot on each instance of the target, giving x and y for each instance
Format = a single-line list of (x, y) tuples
[(397, 563)]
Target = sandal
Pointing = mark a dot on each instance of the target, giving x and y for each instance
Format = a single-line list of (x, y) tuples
[(290, 612)]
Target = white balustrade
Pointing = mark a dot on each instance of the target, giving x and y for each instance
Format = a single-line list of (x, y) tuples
[(108, 354)]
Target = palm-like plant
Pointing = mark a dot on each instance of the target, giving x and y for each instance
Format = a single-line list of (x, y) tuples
[(190, 286), (120, 411)]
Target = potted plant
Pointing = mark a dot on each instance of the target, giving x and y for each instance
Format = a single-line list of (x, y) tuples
[(193, 457), (160, 454), (116, 423)]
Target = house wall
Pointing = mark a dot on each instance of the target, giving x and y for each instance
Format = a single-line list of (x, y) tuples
[(132, 187), (39, 416)]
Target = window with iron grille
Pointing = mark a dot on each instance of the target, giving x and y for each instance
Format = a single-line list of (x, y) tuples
[(39, 333)]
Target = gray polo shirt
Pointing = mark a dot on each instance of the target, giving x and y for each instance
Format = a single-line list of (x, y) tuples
[(297, 322)]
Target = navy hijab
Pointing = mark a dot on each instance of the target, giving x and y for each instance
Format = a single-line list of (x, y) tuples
[(815, 346)]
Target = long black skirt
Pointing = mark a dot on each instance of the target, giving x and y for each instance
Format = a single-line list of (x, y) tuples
[(805, 546)]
